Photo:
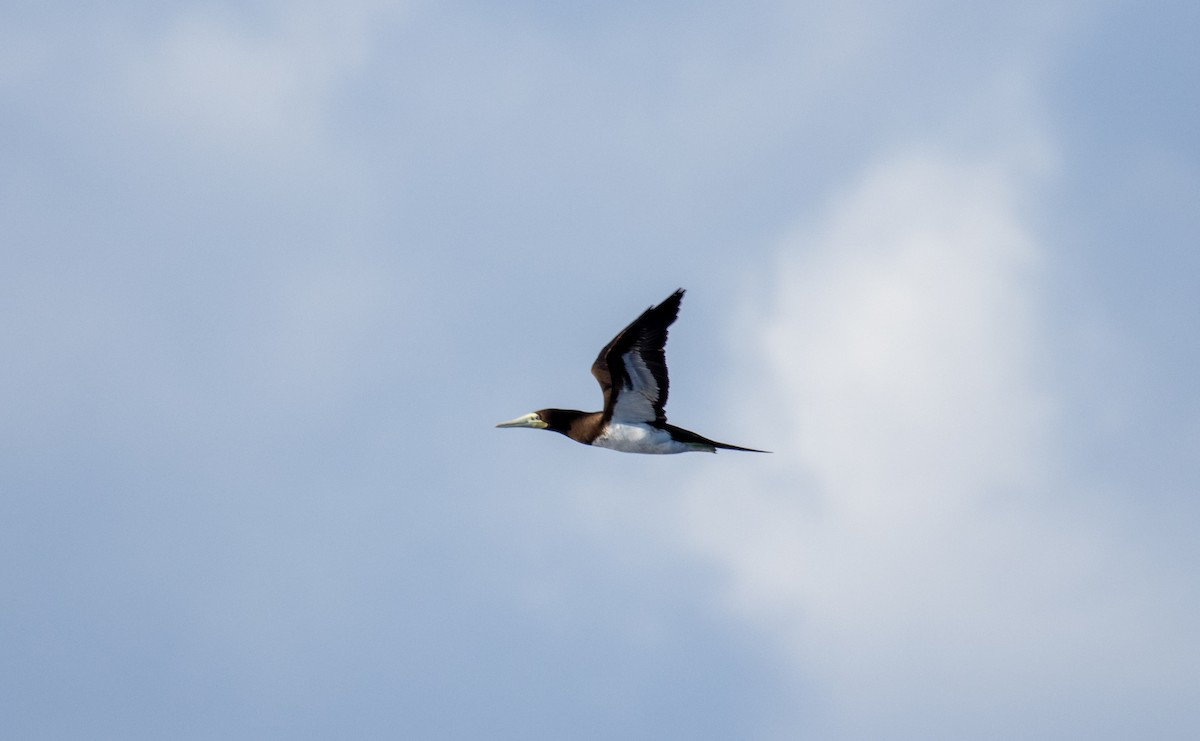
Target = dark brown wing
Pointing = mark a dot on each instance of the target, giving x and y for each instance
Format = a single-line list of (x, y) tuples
[(632, 369)]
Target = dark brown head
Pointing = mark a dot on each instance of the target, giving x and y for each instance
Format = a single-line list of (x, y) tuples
[(555, 420)]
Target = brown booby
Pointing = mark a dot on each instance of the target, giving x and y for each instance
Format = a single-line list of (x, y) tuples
[(632, 371)]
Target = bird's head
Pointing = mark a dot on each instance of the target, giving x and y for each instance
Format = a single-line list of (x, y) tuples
[(533, 419), (555, 420)]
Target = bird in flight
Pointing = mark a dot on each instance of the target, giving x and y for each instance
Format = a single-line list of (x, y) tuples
[(632, 371)]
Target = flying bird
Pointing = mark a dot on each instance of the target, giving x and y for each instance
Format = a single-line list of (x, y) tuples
[(632, 371)]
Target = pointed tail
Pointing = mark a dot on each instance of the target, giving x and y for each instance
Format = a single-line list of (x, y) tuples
[(703, 443)]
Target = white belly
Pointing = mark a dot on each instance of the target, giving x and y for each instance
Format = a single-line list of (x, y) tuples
[(639, 438)]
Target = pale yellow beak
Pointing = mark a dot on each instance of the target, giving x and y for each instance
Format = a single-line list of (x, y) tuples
[(527, 420)]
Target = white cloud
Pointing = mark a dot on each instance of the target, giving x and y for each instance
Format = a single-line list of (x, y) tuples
[(908, 546)]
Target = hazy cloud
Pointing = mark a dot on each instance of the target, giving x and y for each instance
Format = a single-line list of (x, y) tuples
[(253, 80), (908, 546)]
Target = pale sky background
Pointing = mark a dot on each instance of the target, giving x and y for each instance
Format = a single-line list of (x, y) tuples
[(271, 271)]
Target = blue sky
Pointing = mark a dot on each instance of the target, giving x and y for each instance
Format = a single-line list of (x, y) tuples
[(272, 271)]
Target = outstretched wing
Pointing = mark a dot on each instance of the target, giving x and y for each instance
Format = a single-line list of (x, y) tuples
[(632, 369)]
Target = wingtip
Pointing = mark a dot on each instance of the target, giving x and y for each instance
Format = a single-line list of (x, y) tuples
[(675, 299)]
